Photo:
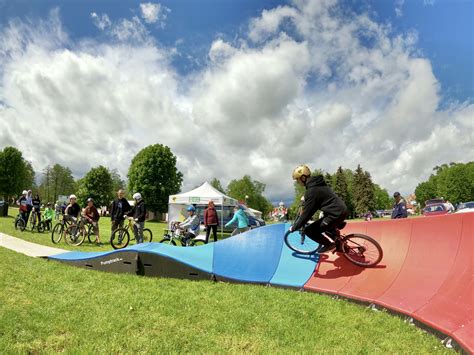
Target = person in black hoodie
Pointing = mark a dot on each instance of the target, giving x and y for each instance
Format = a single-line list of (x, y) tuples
[(318, 196), (138, 213), (120, 207)]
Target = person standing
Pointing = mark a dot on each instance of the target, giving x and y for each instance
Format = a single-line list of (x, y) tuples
[(48, 216), (138, 213), (29, 205), (36, 202), (211, 221), (23, 206), (120, 207), (400, 207), (92, 216), (242, 220)]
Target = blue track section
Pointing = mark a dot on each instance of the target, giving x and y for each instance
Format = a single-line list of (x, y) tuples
[(250, 257), (257, 256), (294, 270)]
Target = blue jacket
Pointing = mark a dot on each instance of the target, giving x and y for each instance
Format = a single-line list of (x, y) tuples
[(400, 210), (241, 218)]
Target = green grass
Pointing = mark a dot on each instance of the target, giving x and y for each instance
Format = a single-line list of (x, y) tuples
[(51, 307)]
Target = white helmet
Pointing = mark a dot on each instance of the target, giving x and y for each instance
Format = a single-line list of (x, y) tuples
[(24, 192), (137, 196), (72, 196)]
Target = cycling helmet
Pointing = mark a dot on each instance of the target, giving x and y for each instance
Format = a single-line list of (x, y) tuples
[(73, 196), (302, 170), (24, 192), (90, 199), (191, 208), (137, 196)]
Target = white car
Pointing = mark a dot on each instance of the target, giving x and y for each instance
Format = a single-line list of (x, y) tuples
[(465, 207)]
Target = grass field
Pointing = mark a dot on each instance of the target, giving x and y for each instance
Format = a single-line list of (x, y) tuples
[(50, 307)]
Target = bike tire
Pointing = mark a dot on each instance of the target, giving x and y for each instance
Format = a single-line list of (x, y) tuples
[(198, 242), (300, 243), (168, 241), (91, 237), (362, 250), (57, 233), (73, 236), (41, 227), (147, 236), (120, 238), (20, 224)]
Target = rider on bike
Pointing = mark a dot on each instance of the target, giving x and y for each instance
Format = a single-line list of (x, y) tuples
[(319, 196), (191, 224), (22, 203), (37, 207), (72, 210)]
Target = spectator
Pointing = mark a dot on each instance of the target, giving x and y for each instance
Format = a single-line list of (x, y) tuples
[(72, 210), (241, 218), (92, 216), (449, 206), (29, 204), (23, 206), (211, 221), (48, 216), (138, 212), (36, 202), (120, 207), (400, 207), (190, 224), (57, 210)]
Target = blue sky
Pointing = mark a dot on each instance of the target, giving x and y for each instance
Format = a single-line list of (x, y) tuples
[(241, 87)]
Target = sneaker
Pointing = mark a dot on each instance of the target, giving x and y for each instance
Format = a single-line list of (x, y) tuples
[(325, 248)]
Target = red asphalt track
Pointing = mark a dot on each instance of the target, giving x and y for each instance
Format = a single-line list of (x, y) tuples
[(426, 272)]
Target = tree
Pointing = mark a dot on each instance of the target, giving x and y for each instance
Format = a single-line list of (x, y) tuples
[(153, 173), (57, 180), (364, 200), (117, 182), (251, 192), (382, 198), (341, 188), (97, 184), (16, 174), (215, 183)]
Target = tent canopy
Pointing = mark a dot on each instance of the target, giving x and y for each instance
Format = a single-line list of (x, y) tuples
[(201, 196)]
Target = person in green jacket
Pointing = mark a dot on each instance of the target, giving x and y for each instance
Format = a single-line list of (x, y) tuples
[(241, 218), (48, 216)]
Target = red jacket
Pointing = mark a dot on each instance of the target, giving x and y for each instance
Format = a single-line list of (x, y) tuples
[(210, 216)]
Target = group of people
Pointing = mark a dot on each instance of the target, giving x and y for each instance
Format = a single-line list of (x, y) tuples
[(32, 204)]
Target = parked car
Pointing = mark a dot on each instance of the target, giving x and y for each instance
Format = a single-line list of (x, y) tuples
[(435, 209), (228, 211), (465, 207)]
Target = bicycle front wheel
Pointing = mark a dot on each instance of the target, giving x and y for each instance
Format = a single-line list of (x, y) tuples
[(20, 224), (120, 238), (362, 250), (167, 240), (147, 236), (57, 233), (90, 234), (75, 235), (197, 242), (41, 227), (300, 243)]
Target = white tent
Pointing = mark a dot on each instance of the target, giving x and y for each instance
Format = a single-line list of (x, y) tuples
[(200, 196)]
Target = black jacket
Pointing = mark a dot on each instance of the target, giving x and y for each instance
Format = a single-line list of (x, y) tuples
[(120, 207), (319, 196), (138, 211)]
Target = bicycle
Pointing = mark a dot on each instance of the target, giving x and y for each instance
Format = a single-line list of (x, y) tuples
[(121, 236), (360, 249), (34, 218), (64, 225), (19, 222), (176, 234), (76, 233)]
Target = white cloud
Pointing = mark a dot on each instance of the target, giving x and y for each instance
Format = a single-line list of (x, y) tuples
[(154, 13), (102, 21), (399, 7), (307, 84)]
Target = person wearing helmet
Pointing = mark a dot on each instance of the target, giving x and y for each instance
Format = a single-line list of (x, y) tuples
[(138, 212), (22, 204), (190, 224), (242, 220), (318, 196), (73, 209), (119, 208), (92, 216)]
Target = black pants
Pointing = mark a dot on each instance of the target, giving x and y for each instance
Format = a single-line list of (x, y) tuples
[(116, 224), (214, 232), (326, 224)]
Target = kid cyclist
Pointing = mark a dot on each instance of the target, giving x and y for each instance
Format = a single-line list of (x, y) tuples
[(318, 196)]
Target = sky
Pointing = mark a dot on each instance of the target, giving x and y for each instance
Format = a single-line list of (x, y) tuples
[(241, 87)]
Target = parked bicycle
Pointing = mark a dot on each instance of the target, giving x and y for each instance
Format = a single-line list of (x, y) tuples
[(121, 236), (176, 235), (359, 249), (74, 233)]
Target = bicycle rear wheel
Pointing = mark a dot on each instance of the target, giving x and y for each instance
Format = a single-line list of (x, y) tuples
[(120, 238), (300, 243), (91, 235), (41, 227), (167, 240), (362, 250), (197, 242), (20, 224), (75, 235), (57, 233), (147, 235)]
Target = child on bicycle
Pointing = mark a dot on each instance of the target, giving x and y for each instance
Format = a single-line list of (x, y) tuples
[(37, 207), (139, 215), (92, 216), (22, 204), (319, 196), (191, 224)]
